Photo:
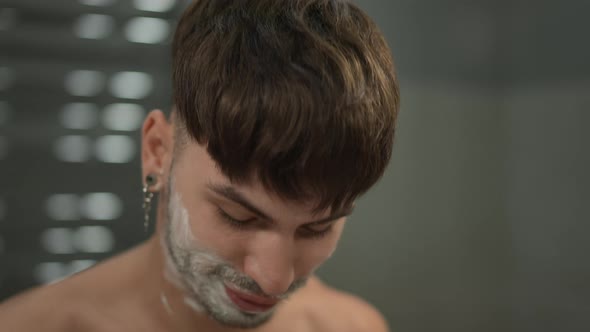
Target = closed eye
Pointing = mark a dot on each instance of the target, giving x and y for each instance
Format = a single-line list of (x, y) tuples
[(310, 231), (316, 231), (237, 223)]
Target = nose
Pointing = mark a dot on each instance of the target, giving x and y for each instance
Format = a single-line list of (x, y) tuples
[(270, 263)]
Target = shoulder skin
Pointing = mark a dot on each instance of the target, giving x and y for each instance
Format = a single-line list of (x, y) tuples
[(332, 310)]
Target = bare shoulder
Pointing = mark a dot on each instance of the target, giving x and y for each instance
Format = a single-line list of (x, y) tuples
[(66, 306), (97, 299), (45, 306), (330, 309)]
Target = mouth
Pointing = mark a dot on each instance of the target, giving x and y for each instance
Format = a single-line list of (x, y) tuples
[(249, 302)]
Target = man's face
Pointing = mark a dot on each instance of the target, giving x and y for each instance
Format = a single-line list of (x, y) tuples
[(237, 250)]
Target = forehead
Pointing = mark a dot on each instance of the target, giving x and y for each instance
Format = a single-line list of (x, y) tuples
[(195, 167)]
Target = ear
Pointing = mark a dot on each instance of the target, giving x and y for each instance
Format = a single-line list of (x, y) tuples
[(156, 147)]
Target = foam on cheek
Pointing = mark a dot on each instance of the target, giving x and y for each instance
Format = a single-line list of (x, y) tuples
[(182, 236), (180, 223), (176, 213), (185, 239), (185, 245)]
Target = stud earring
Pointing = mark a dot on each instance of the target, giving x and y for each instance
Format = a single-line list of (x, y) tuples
[(150, 181)]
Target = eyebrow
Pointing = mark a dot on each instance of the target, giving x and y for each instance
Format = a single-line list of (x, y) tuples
[(232, 194)]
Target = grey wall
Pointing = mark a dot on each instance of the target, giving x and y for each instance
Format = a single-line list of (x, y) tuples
[(430, 246), (481, 222), (547, 99)]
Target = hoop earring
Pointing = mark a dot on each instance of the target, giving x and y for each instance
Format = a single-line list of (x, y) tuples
[(150, 181)]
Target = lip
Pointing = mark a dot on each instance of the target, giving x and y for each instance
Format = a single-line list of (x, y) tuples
[(249, 302)]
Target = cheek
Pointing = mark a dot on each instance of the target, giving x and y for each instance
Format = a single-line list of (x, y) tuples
[(210, 233)]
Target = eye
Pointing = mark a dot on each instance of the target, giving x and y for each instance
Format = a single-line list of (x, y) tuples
[(316, 231), (237, 223)]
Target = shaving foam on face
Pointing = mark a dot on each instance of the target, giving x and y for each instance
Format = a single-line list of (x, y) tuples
[(180, 234), (200, 274)]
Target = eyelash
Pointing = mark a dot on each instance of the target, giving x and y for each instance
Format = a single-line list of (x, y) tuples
[(311, 234), (239, 224), (243, 224)]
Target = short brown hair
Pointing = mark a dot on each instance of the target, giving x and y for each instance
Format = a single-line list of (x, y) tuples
[(300, 94)]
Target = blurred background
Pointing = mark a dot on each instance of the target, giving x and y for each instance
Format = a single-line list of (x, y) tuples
[(481, 222)]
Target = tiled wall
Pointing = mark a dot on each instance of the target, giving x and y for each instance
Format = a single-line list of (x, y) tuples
[(76, 80)]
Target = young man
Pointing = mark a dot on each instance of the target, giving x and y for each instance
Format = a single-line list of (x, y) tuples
[(284, 114)]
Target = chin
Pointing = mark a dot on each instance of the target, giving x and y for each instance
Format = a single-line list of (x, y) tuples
[(210, 298)]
